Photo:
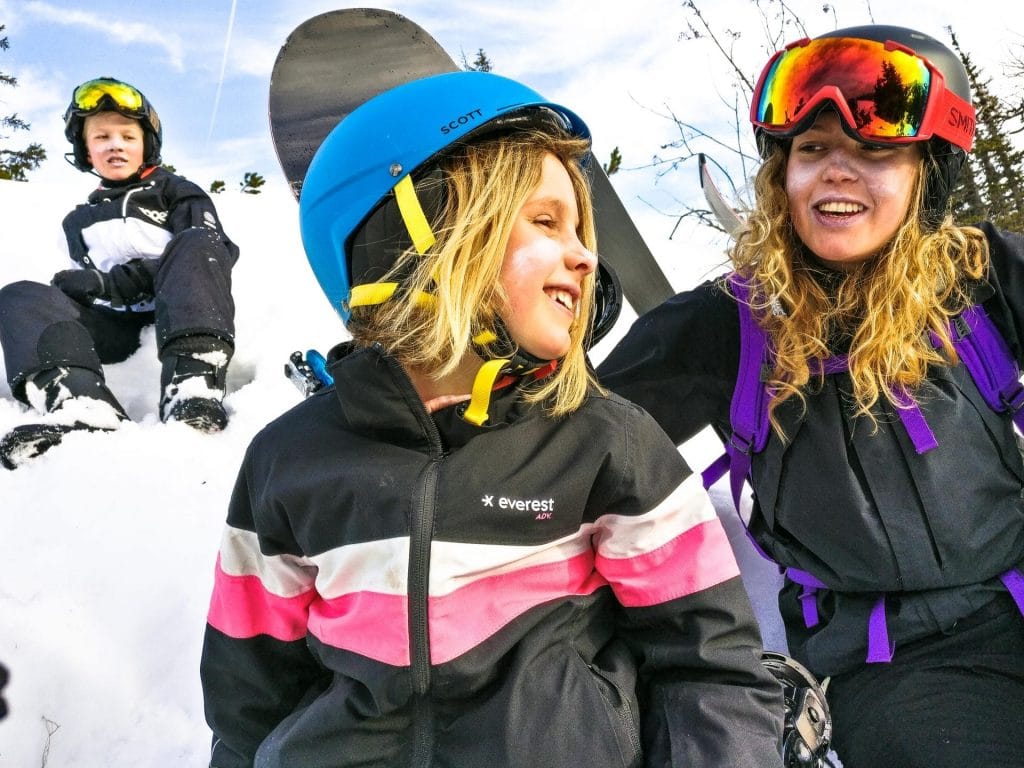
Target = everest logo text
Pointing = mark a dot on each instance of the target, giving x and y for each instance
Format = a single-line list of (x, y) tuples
[(544, 508)]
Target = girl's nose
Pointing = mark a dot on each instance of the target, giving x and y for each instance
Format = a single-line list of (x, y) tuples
[(579, 259)]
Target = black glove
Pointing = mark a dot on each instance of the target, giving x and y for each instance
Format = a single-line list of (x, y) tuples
[(82, 285), (131, 282), (124, 285)]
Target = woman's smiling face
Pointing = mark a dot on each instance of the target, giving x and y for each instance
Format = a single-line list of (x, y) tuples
[(847, 199)]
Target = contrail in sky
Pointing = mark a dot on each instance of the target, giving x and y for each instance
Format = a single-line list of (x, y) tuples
[(223, 68)]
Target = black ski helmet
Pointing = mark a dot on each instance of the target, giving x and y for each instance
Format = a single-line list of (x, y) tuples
[(945, 157), (107, 94)]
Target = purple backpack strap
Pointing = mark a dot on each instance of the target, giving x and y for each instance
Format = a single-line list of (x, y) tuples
[(987, 358), (920, 433), (909, 411), (748, 411), (1013, 580), (880, 647)]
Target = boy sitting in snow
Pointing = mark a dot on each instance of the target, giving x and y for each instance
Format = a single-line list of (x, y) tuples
[(147, 248)]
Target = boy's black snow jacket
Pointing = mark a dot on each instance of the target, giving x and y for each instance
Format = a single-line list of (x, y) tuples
[(402, 589), (858, 509), (129, 225)]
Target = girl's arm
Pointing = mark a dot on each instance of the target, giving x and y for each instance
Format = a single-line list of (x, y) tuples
[(255, 666), (685, 351), (705, 697)]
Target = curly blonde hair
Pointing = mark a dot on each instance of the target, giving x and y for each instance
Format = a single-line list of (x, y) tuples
[(884, 307), (485, 184)]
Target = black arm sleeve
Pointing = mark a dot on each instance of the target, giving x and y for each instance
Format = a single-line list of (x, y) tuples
[(679, 361)]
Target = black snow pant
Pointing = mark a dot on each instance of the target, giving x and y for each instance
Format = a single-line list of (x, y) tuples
[(42, 328), (946, 701)]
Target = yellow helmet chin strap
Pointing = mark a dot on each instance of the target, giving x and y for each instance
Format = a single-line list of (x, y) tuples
[(370, 294), (422, 236), (420, 233), (518, 363), (483, 385)]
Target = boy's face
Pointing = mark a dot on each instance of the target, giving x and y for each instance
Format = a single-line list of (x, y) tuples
[(114, 144)]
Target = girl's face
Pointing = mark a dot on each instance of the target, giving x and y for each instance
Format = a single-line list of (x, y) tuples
[(846, 198), (114, 144), (544, 266)]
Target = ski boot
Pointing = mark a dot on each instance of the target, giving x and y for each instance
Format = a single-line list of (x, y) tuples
[(192, 382), (75, 400)]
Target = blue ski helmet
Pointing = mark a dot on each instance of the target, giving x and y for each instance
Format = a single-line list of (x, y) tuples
[(380, 144)]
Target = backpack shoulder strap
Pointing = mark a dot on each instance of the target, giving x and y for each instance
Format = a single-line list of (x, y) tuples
[(987, 358), (748, 411)]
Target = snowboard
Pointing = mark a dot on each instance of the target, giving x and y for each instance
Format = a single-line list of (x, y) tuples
[(332, 63)]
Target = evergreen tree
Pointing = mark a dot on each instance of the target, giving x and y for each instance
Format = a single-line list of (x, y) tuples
[(614, 162), (992, 185), (480, 64), (251, 183), (15, 163)]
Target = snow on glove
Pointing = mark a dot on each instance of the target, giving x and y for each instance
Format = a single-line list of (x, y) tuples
[(82, 285)]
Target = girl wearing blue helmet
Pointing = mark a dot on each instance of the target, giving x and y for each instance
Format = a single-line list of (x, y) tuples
[(464, 553), (864, 372)]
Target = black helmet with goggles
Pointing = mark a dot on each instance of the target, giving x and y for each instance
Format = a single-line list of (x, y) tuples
[(106, 94), (889, 85)]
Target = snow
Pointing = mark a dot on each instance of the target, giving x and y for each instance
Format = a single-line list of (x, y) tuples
[(109, 540), (108, 544)]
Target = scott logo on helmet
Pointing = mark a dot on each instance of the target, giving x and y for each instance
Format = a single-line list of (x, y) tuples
[(470, 117)]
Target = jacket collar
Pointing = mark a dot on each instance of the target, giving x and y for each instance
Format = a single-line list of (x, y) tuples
[(378, 399)]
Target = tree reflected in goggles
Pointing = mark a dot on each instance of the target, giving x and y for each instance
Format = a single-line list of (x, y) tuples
[(88, 96), (884, 92)]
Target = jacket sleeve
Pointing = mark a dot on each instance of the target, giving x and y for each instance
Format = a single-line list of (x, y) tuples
[(706, 700), (190, 207), (256, 667), (684, 351), (72, 226), (1006, 278)]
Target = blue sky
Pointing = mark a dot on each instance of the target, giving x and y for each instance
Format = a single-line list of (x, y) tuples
[(206, 66)]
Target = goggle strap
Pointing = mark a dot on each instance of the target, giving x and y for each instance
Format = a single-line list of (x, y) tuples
[(956, 123)]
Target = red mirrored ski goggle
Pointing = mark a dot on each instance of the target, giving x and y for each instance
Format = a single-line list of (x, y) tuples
[(884, 92)]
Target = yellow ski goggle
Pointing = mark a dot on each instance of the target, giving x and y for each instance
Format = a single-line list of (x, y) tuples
[(88, 96)]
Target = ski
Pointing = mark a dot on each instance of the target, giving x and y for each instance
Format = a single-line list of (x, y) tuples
[(332, 63), (726, 215)]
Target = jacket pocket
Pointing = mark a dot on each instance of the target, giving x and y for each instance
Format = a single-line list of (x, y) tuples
[(613, 675)]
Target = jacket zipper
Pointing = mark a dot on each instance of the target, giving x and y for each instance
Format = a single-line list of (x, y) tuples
[(421, 534)]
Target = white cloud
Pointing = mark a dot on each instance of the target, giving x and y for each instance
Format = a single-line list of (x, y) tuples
[(120, 32)]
